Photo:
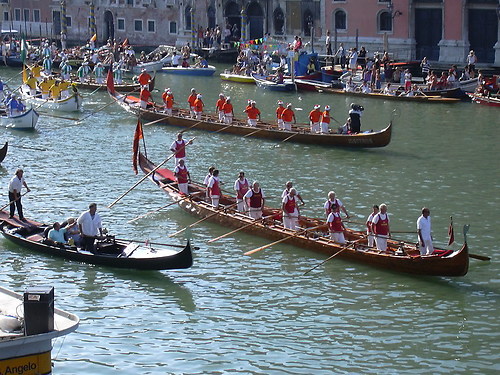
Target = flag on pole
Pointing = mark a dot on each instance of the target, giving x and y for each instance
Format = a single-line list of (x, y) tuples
[(25, 74), (110, 84), (135, 148), (94, 38), (125, 43), (24, 50), (451, 234)]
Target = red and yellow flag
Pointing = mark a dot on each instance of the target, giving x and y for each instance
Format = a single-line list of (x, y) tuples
[(135, 148)]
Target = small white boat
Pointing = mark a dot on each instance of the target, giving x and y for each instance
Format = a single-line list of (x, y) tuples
[(70, 104), (469, 85), (189, 71), (151, 66), (24, 121), (240, 78)]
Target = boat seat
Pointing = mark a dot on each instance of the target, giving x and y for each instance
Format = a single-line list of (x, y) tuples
[(129, 250), (35, 238)]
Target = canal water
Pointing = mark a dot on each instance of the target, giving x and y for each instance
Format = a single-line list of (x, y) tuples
[(232, 313)]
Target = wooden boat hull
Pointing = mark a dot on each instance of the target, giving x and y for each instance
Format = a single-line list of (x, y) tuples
[(29, 235), (485, 100), (72, 103), (3, 151), (266, 131), (454, 264), (420, 99), (132, 87), (24, 121), (273, 86), (237, 78), (190, 71)]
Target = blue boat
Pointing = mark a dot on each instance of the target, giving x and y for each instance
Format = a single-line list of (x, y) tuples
[(189, 71), (262, 82)]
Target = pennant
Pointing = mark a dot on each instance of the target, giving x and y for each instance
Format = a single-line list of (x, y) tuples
[(94, 38), (24, 50), (110, 84), (125, 43), (451, 234), (135, 148)]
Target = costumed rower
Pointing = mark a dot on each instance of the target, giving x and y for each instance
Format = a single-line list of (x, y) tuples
[(288, 115), (254, 200), (144, 97), (314, 119), (369, 226), (168, 101), (99, 73), (83, 72), (198, 107), (241, 186), (15, 185), (325, 120), (355, 116), (331, 201), (253, 114), (335, 225), (144, 78), (213, 188), (219, 107), (288, 187), (228, 111), (179, 148), (425, 232), (205, 181), (191, 99), (290, 209), (279, 114), (183, 177), (381, 228)]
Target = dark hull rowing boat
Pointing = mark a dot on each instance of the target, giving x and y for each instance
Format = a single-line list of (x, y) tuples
[(111, 252), (263, 130), (92, 85), (441, 263)]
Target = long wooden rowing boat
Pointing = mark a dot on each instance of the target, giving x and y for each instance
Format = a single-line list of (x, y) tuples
[(401, 256), (93, 85), (110, 251), (70, 104), (264, 83), (379, 95), (298, 134)]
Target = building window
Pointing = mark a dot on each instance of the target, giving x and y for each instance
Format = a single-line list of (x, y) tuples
[(385, 21), (26, 15), (5, 16), (173, 27), (17, 14), (69, 21), (36, 15), (130, 2), (340, 20), (138, 25), (121, 24), (187, 17), (279, 21), (151, 26)]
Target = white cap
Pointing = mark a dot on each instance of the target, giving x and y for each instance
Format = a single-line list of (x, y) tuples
[(280, 102), (317, 106), (199, 96), (327, 107), (193, 90), (288, 105), (169, 92), (228, 98), (221, 94)]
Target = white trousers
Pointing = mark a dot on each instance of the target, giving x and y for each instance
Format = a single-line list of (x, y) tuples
[(314, 127), (228, 118), (287, 126), (371, 239), (252, 122), (428, 249), (241, 204), (168, 111), (198, 115), (215, 200), (381, 242), (184, 188), (255, 213), (281, 124), (221, 116), (324, 128), (337, 237), (290, 221)]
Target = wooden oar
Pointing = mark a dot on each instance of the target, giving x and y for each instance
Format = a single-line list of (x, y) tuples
[(480, 257), (223, 128), (241, 228), (161, 208), (333, 256), (148, 174), (28, 148), (191, 127), (56, 116), (98, 110), (252, 133), (287, 138), (15, 200), (201, 220), (157, 120), (156, 243), (282, 240)]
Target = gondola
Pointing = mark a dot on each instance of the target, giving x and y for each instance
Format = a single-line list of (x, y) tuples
[(110, 252), (3, 151), (380, 95), (400, 257), (298, 134)]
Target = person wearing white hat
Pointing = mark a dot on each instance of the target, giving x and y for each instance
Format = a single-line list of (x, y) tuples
[(290, 208), (325, 120), (279, 114), (168, 101), (144, 78), (288, 115), (228, 111), (253, 114), (198, 107), (219, 107), (99, 73), (191, 99), (314, 118), (254, 201)]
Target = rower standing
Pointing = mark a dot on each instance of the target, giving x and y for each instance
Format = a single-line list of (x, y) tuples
[(288, 115), (335, 225), (279, 114), (381, 228), (314, 118), (144, 78), (144, 97), (198, 107), (191, 99), (331, 201), (228, 111), (205, 181), (241, 186), (253, 114), (183, 177), (369, 226), (254, 200), (168, 101), (288, 187), (213, 188), (179, 148), (355, 115), (219, 107), (290, 210), (325, 120), (424, 231)]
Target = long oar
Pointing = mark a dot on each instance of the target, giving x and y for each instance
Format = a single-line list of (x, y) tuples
[(241, 228), (56, 116), (333, 256), (15, 200), (157, 120), (475, 256), (28, 148), (156, 243), (201, 220), (146, 176), (282, 240), (161, 208), (223, 128), (252, 133), (98, 110)]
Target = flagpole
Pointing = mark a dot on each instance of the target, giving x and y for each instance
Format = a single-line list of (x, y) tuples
[(143, 140)]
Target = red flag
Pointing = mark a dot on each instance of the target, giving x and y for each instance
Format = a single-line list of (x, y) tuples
[(109, 81), (451, 234), (135, 148), (125, 43)]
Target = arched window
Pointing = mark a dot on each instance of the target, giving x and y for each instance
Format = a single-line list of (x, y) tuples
[(279, 21), (211, 17), (308, 22), (187, 18), (385, 21), (340, 20)]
